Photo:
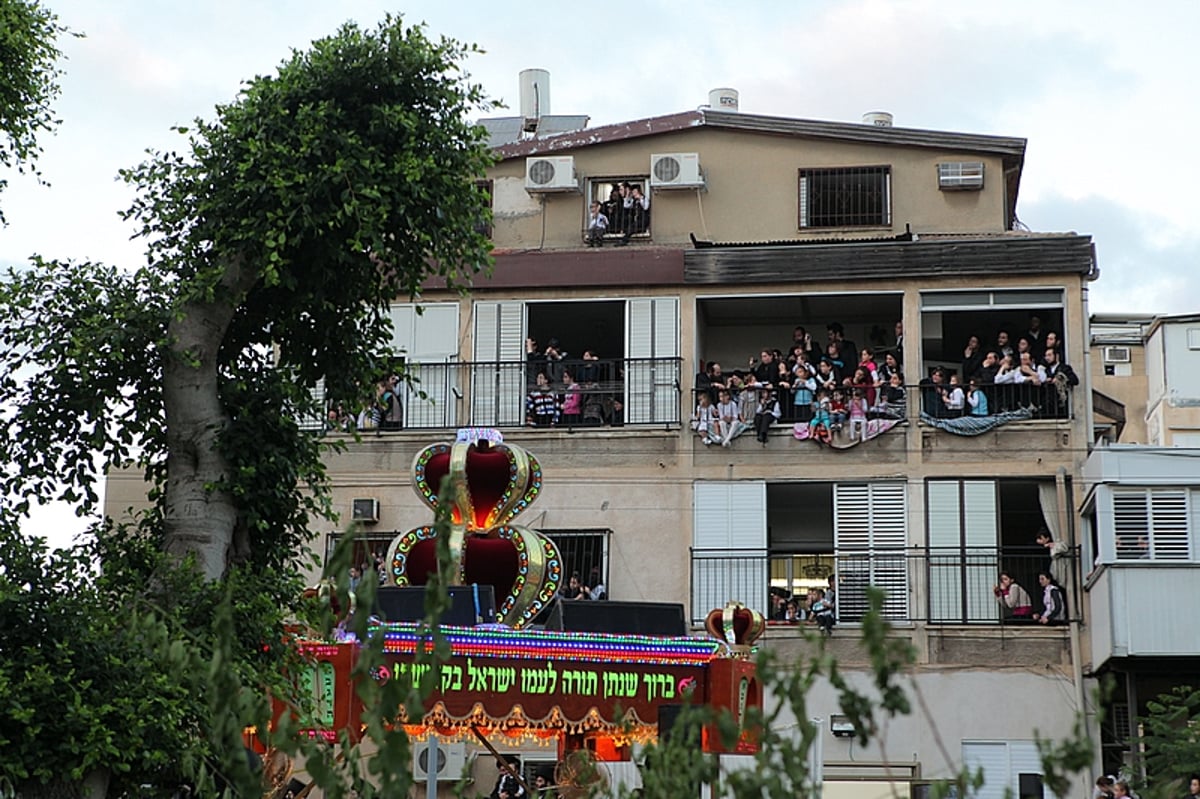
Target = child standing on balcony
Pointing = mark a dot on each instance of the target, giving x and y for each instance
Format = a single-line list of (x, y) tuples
[(704, 419), (730, 423), (597, 225), (837, 411), (858, 415)]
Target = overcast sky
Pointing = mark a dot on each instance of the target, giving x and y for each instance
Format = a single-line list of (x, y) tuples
[(1105, 92)]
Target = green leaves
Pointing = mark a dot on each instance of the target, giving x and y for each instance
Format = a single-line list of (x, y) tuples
[(29, 76)]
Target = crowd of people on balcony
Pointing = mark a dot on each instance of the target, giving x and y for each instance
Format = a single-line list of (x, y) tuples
[(1005, 376), (832, 387), (566, 392), (841, 386)]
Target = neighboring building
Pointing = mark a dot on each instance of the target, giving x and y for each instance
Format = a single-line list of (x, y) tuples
[(1141, 517), (1118, 371), (756, 225), (1144, 370), (1173, 401)]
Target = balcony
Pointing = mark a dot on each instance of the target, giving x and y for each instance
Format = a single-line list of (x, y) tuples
[(1130, 613), (609, 393), (936, 586)]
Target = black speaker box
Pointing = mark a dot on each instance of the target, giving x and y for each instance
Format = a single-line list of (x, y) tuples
[(469, 604), (639, 618)]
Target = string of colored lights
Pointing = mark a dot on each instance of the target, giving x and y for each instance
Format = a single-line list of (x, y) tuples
[(403, 638)]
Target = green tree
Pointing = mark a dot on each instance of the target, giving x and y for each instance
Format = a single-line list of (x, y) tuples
[(1171, 738), (276, 238), (29, 75)]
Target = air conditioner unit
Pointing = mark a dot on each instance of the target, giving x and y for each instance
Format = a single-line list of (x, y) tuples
[(960, 176), (450, 765), (675, 171), (364, 509), (550, 174), (1116, 355)]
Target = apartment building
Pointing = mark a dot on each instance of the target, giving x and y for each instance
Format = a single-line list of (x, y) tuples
[(907, 239), (756, 225)]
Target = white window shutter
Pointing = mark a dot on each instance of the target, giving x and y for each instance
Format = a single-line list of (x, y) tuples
[(651, 332), (870, 537), (498, 381), (1170, 519), (1131, 523), (729, 539)]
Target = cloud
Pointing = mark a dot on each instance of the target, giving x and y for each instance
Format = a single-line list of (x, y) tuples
[(1138, 272)]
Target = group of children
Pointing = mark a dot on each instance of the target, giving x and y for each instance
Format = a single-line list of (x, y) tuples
[(816, 609), (818, 396)]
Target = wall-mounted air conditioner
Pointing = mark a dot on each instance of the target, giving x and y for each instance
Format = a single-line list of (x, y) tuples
[(675, 171), (960, 176), (550, 174), (365, 510), (450, 764), (1116, 355)]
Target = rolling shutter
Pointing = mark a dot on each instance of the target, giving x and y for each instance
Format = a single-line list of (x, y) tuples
[(729, 545), (870, 536)]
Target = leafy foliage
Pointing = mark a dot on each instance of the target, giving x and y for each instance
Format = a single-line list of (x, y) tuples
[(276, 241), (29, 76), (1172, 738)]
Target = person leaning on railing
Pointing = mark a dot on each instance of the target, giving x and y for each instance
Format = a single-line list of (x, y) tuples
[(1013, 598)]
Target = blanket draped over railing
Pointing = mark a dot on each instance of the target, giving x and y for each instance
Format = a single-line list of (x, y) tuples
[(976, 425)]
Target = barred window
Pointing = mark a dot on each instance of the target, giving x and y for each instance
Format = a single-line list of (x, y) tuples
[(846, 196)]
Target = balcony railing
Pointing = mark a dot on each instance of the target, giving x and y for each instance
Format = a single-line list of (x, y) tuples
[(1046, 401), (610, 393), (934, 585)]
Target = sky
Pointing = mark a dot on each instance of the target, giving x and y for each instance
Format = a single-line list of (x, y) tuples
[(1104, 91)]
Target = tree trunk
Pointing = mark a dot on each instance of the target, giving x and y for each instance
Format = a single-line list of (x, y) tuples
[(199, 518)]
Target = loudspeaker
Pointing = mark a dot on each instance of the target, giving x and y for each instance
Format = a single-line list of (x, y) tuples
[(640, 618), (469, 604)]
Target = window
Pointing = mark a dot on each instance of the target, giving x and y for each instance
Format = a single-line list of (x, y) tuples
[(845, 197), (625, 203), (582, 551), (1151, 523), (366, 547), (1193, 338), (960, 176)]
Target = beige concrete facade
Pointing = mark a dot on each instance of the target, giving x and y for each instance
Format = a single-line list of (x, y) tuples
[(751, 190)]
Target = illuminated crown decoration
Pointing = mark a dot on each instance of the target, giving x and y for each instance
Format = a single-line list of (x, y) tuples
[(735, 624), (487, 484)]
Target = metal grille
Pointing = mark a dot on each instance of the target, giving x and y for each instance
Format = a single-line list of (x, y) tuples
[(541, 172), (845, 197), (582, 551), (666, 169), (615, 392)]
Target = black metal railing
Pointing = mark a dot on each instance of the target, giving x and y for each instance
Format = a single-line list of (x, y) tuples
[(946, 585), (604, 393)]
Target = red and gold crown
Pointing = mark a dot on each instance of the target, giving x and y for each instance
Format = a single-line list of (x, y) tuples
[(487, 484)]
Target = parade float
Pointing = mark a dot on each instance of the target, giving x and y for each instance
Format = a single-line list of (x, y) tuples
[(515, 685)]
